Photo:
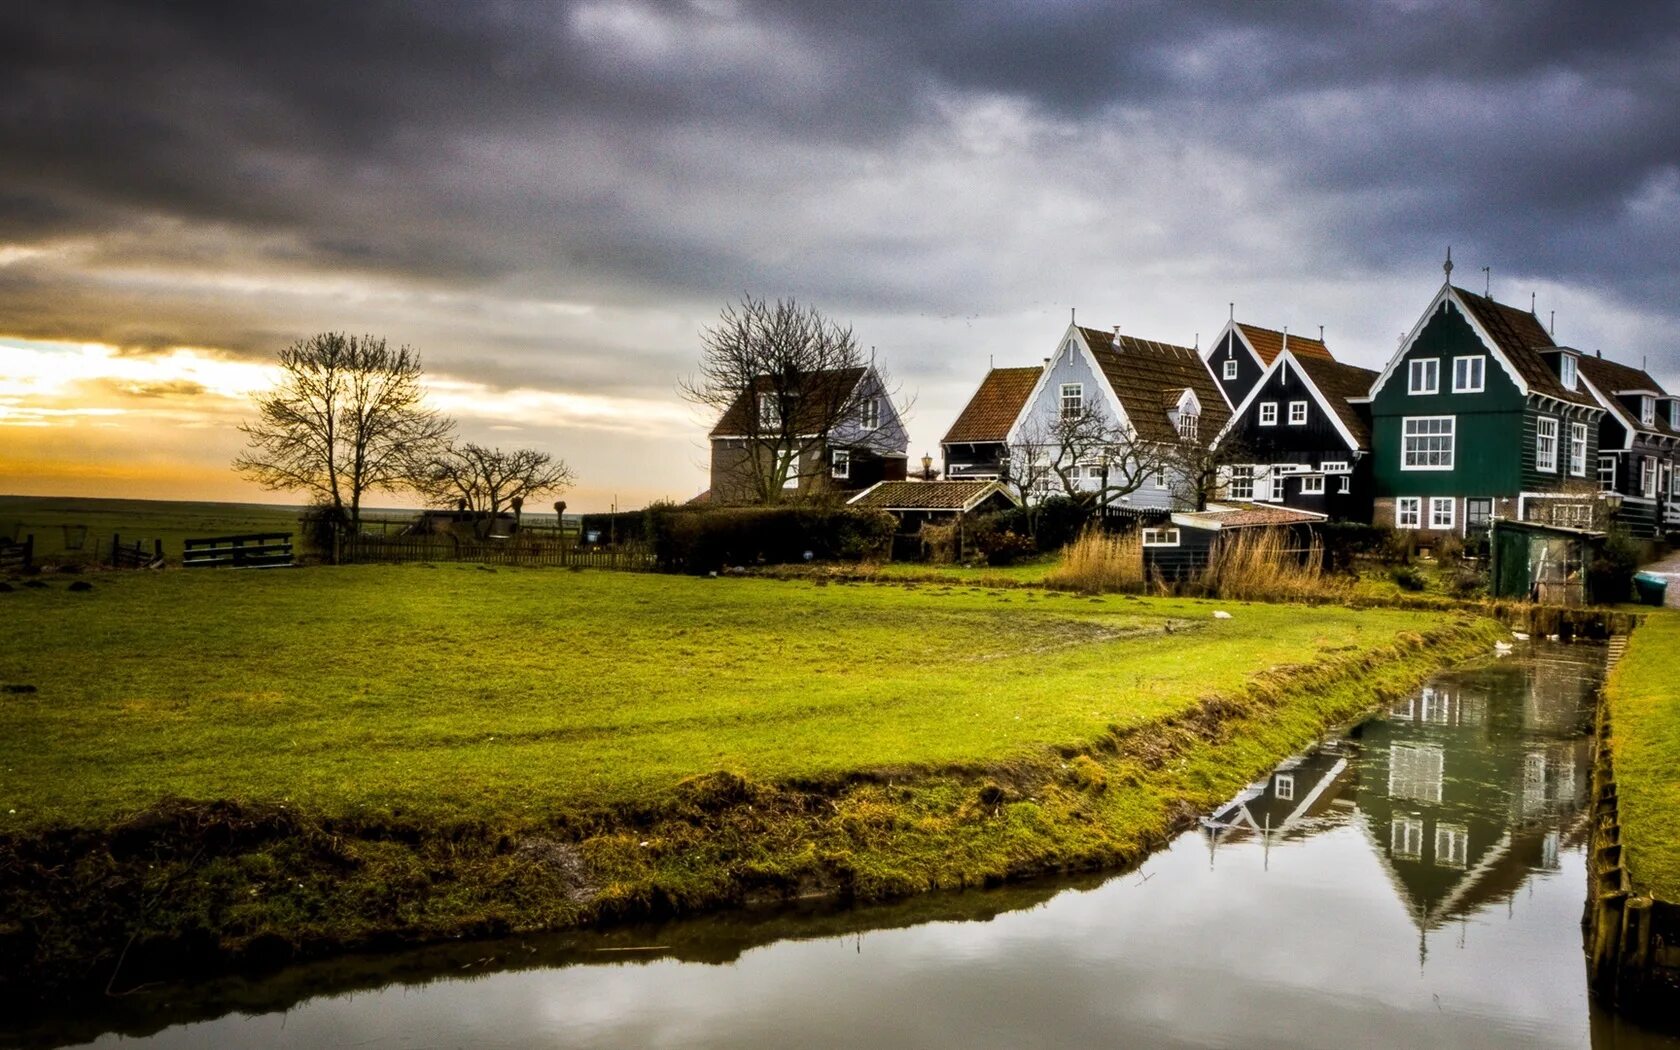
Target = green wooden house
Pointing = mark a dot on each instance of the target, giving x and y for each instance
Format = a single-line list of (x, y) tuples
[(1480, 414)]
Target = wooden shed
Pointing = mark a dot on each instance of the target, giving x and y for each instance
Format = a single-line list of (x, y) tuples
[(1539, 562), (1182, 546)]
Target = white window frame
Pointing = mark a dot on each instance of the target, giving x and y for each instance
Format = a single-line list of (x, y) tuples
[(1422, 454), (1470, 383), (871, 414), (1160, 477), (1648, 477), (1568, 372), (1546, 444), (1283, 787), (1230, 368), (769, 411), (1442, 513), (1312, 485), (1334, 466), (1674, 414), (1647, 410), (1578, 450), (1242, 474), (1405, 838), (1189, 426), (1606, 483), (840, 463), (1268, 413), (1163, 537), (1423, 375), (1452, 846), (1073, 400), (1297, 413), (1408, 507), (789, 456), (1344, 483)]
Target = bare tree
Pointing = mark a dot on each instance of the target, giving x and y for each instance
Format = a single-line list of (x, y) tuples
[(348, 417), (482, 481), (789, 387), (1087, 456), (1201, 473)]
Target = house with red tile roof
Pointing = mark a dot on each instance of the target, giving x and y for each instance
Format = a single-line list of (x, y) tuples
[(1241, 353), (1638, 444)]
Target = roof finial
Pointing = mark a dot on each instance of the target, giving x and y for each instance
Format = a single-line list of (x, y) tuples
[(1198, 340), (1530, 302), (1448, 267), (1487, 282), (1233, 312), (1073, 315), (1286, 337), (1321, 333), (1551, 329)]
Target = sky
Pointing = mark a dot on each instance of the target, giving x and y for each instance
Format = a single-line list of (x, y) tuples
[(550, 201)]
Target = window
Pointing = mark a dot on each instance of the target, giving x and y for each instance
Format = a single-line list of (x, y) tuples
[(788, 460), (1334, 466), (1566, 371), (1647, 411), (1648, 477), (1408, 512), (1344, 484), (1415, 772), (1094, 471), (1578, 449), (769, 411), (1674, 414), (1478, 512), (1545, 444), (1230, 368), (1283, 787), (1425, 376), (1469, 374), (1160, 537), (1073, 399), (1405, 838), (1297, 413), (1312, 485), (1242, 482), (1161, 478), (1452, 845), (1607, 473), (1188, 424), (842, 464), (871, 413), (1441, 512), (1268, 413), (1428, 442)]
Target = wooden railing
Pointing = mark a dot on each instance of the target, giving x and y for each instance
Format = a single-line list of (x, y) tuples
[(443, 548), (262, 550), (135, 555), (17, 556)]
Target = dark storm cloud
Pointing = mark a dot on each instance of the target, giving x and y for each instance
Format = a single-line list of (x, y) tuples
[(629, 155)]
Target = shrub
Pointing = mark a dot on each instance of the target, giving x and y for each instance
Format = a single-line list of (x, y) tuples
[(1060, 521), (1408, 578), (1449, 551), (1610, 573), (319, 525), (1099, 561), (939, 542), (1007, 548), (1269, 565), (1346, 540), (1399, 546), (703, 540), (1468, 582)]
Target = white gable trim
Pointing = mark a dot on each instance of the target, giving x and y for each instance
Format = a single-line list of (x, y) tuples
[(1231, 327), (1324, 405), (1084, 348), (1189, 398), (1448, 294)]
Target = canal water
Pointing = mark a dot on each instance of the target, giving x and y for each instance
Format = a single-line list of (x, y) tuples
[(1415, 882)]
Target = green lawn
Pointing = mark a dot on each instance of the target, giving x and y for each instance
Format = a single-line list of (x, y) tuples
[(1645, 740), (457, 691)]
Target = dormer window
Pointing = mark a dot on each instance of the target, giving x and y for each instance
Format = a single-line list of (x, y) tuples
[(1073, 399), (1188, 423), (1647, 410), (769, 411), (1566, 371)]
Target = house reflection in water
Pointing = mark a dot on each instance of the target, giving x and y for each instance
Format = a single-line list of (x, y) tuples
[(1462, 789)]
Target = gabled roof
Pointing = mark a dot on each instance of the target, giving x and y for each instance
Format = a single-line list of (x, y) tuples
[(1339, 383), (929, 495), (992, 410), (1142, 372), (1608, 378), (823, 390), (1269, 343), (1520, 336), (1245, 515)]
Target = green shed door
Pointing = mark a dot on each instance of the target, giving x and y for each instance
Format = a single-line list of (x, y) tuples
[(1511, 557)]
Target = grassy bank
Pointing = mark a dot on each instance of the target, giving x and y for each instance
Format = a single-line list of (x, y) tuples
[(1644, 703), (269, 764)]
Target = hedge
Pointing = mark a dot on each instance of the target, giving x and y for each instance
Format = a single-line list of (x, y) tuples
[(713, 539)]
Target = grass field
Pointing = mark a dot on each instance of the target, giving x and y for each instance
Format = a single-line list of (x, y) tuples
[(209, 766), (458, 690), (1645, 740)]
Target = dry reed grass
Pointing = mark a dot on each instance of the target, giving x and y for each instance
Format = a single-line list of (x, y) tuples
[(1269, 565), (1098, 561)]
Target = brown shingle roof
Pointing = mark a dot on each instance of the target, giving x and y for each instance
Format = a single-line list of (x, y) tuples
[(992, 410), (825, 391), (1269, 343), (1611, 376), (1243, 515), (927, 495), (1338, 382), (1142, 372), (1521, 336)]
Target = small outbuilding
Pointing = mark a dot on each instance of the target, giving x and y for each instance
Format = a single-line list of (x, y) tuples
[(1181, 546), (1539, 562), (940, 502)]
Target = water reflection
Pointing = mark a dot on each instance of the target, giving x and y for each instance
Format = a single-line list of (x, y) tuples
[(1417, 882)]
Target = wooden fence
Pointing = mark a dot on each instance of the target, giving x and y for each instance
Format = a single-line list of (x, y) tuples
[(135, 555), (261, 550), (17, 556), (364, 549)]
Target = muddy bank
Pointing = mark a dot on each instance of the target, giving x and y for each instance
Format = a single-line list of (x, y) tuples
[(196, 886)]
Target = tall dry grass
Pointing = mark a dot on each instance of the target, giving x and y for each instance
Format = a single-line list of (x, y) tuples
[(1099, 561), (1268, 565)]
